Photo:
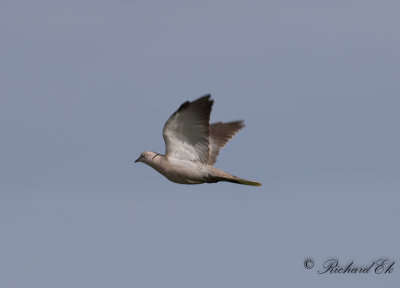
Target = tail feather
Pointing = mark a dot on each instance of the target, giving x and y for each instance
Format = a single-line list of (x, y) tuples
[(247, 182), (234, 179), (219, 175)]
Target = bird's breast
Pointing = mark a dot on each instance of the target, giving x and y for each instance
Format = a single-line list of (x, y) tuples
[(184, 171)]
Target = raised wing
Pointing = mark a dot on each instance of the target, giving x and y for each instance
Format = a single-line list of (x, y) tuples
[(220, 134), (186, 133)]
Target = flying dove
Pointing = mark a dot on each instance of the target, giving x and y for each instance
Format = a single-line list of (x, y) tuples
[(192, 146)]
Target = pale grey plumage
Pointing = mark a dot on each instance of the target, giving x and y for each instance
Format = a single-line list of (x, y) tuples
[(220, 134), (192, 146), (186, 132)]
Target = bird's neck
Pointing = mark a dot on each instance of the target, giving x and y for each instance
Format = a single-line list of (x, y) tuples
[(157, 162)]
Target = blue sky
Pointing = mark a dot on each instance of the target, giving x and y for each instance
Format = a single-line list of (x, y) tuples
[(86, 86)]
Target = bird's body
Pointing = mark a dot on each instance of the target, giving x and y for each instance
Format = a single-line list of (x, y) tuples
[(192, 146), (177, 170)]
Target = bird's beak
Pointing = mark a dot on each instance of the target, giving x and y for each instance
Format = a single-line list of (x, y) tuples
[(137, 160)]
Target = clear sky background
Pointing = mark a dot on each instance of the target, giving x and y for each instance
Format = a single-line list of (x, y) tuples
[(86, 86)]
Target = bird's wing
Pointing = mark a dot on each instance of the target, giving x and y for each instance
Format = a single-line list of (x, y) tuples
[(220, 134), (186, 133)]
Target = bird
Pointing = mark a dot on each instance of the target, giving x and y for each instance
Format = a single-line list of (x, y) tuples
[(192, 145)]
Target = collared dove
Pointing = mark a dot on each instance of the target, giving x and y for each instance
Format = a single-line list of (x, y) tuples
[(192, 146)]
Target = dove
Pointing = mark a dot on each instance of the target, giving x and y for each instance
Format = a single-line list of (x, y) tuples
[(192, 145)]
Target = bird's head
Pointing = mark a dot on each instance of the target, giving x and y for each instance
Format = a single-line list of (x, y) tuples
[(146, 157)]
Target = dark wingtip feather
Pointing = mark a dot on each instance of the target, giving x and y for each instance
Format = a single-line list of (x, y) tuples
[(205, 98)]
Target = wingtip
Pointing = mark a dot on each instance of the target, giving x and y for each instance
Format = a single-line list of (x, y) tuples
[(204, 98)]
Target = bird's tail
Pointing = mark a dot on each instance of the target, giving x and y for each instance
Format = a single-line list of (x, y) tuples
[(223, 176), (238, 180)]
